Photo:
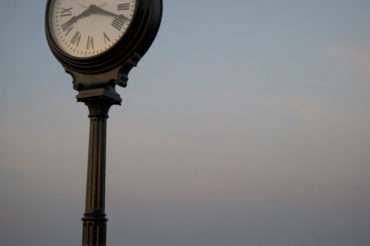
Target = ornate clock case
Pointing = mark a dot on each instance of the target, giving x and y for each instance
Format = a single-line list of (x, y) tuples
[(112, 66)]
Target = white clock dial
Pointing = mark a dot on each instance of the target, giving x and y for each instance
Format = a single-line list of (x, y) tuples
[(86, 28)]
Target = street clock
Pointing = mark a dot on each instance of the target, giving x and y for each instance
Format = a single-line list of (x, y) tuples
[(98, 41)]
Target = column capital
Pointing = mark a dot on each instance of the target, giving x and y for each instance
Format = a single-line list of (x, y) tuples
[(99, 100)]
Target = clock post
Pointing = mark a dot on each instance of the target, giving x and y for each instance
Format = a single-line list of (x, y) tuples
[(98, 102), (99, 57)]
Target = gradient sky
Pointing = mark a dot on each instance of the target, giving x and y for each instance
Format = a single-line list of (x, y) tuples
[(246, 123)]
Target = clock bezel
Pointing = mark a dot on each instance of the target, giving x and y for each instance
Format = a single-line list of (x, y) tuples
[(134, 42), (64, 50)]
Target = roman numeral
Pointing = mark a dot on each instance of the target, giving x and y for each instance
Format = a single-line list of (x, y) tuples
[(90, 42), (106, 38), (68, 24), (118, 23), (76, 38), (123, 6), (66, 12), (68, 31)]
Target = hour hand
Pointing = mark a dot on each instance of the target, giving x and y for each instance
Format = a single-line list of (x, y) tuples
[(69, 23), (74, 19)]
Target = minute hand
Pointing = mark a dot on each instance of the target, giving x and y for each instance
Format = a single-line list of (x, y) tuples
[(97, 10)]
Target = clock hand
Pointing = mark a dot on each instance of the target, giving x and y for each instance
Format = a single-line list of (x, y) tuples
[(86, 13), (93, 9), (74, 19), (97, 10)]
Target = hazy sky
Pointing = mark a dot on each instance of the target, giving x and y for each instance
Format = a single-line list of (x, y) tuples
[(246, 124)]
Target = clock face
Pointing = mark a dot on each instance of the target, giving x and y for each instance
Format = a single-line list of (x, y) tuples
[(86, 28)]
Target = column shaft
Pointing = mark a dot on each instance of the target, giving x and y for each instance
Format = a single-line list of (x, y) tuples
[(94, 221)]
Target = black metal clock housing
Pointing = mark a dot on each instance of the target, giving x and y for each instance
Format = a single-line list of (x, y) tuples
[(113, 65)]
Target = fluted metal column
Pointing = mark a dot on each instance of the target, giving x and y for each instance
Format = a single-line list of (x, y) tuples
[(99, 102)]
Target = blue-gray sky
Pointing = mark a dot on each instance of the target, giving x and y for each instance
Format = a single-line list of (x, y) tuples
[(247, 123)]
